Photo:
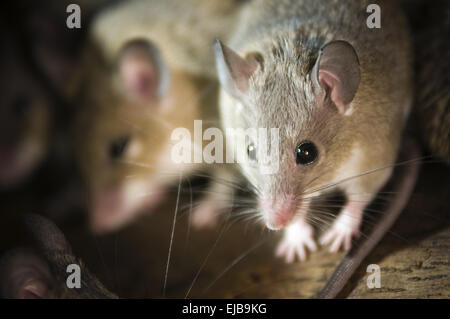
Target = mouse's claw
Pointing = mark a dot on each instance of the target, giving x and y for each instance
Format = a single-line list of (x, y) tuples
[(298, 238), (342, 232)]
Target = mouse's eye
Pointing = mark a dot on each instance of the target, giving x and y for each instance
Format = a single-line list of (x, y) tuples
[(251, 152), (118, 147), (306, 153)]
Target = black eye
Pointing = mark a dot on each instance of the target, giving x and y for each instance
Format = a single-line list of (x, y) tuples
[(118, 147), (306, 153), (251, 152)]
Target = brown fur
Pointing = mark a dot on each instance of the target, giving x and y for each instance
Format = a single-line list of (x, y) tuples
[(106, 113), (289, 34)]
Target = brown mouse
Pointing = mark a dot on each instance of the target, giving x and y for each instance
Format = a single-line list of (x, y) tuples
[(144, 76), (339, 94)]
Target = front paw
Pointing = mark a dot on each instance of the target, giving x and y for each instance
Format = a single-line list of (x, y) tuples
[(205, 215), (297, 239), (342, 232)]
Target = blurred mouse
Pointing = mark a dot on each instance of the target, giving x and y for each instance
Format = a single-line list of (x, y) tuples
[(136, 87), (25, 115), (123, 136), (41, 273)]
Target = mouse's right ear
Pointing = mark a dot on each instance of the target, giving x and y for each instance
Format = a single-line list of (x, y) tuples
[(142, 71), (233, 70)]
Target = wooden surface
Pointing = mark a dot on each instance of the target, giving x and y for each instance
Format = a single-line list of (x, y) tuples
[(236, 260)]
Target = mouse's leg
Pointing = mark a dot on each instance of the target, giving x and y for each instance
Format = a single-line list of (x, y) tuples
[(348, 223), (297, 239), (218, 197), (346, 226)]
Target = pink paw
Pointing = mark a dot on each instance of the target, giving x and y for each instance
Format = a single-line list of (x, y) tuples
[(297, 239), (205, 215), (342, 232)]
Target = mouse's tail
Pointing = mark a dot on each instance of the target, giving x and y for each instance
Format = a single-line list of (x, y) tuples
[(405, 179)]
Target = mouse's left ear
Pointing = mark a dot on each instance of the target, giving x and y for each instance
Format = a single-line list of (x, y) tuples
[(337, 73)]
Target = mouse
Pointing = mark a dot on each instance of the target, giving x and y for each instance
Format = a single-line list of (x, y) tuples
[(338, 94), (40, 272), (25, 115), (123, 141), (140, 83), (38, 56), (35, 149)]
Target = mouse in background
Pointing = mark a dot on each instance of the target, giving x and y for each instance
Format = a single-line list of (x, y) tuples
[(338, 92), (38, 58), (41, 272), (25, 115), (140, 80), (123, 133)]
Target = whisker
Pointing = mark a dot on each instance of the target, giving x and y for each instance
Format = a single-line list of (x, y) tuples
[(171, 239), (188, 230), (332, 184), (234, 262), (205, 261)]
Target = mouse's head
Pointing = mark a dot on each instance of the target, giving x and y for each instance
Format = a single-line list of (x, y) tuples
[(24, 117), (124, 131), (43, 272), (303, 94)]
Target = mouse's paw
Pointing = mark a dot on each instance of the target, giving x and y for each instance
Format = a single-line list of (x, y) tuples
[(297, 239), (205, 215), (342, 232)]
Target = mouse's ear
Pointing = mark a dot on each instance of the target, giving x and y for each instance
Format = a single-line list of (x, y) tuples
[(25, 275), (49, 238), (337, 73), (142, 71), (233, 70), (43, 274)]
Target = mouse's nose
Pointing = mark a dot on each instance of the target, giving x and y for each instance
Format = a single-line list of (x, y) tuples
[(279, 213), (106, 205)]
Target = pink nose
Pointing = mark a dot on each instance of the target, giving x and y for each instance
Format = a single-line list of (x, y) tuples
[(278, 214)]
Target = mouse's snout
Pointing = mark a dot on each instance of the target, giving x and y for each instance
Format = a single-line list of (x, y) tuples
[(278, 213), (113, 207), (105, 206)]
